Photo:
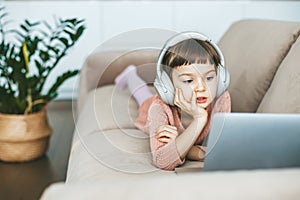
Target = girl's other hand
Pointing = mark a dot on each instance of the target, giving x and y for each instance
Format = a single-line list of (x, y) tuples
[(197, 153), (190, 107), (166, 133)]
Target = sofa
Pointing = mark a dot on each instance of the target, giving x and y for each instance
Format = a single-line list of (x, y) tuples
[(111, 159)]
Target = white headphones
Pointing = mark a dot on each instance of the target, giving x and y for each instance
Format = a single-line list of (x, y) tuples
[(163, 83)]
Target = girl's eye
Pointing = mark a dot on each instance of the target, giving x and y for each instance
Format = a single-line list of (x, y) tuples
[(209, 78), (188, 81)]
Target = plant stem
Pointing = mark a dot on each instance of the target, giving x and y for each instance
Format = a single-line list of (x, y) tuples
[(29, 97), (36, 102)]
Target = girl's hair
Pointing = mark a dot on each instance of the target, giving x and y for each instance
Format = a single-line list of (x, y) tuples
[(188, 52)]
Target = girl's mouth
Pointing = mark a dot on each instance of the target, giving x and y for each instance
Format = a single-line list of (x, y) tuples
[(201, 99)]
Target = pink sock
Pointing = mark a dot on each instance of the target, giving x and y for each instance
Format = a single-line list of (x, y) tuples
[(137, 86), (140, 93), (121, 79)]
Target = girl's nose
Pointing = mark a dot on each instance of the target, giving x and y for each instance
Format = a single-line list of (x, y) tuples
[(200, 87)]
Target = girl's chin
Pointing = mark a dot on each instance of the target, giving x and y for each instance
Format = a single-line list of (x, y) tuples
[(204, 105)]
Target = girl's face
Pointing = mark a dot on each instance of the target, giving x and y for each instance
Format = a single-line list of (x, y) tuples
[(200, 78)]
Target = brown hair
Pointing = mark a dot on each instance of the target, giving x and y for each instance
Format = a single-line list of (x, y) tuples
[(188, 52)]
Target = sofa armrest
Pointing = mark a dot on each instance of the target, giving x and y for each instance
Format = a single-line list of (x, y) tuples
[(243, 184), (101, 68)]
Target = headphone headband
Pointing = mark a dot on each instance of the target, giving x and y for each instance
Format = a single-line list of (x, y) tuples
[(182, 37)]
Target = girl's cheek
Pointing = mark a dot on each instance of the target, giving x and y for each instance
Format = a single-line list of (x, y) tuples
[(187, 93), (212, 88)]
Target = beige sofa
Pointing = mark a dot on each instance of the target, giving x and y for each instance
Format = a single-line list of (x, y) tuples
[(111, 159)]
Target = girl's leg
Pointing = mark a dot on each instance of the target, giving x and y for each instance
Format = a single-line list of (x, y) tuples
[(136, 85)]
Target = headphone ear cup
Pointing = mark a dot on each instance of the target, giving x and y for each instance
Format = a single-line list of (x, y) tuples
[(223, 80), (165, 88)]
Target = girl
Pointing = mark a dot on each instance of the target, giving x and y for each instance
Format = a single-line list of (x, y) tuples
[(192, 65)]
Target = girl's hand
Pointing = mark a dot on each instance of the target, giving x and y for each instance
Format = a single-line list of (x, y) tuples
[(166, 133), (190, 107), (197, 153)]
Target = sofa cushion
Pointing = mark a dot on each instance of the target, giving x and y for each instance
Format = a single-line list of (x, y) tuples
[(114, 108), (253, 50), (283, 95), (111, 155), (106, 108)]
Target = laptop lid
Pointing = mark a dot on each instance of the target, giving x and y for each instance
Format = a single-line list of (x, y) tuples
[(253, 141)]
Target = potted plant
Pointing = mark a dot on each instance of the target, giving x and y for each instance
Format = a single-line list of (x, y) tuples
[(25, 64)]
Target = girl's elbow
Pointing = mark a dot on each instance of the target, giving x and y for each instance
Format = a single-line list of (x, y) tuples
[(163, 163)]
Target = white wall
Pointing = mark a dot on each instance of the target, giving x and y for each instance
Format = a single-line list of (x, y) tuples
[(106, 19)]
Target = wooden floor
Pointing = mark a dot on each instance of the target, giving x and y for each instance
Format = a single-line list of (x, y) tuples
[(28, 180)]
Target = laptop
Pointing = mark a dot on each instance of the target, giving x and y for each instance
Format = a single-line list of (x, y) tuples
[(239, 141)]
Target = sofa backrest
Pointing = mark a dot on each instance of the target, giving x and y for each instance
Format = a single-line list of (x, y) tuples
[(253, 51), (283, 96), (101, 68)]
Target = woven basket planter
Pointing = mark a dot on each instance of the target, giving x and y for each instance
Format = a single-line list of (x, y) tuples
[(24, 137)]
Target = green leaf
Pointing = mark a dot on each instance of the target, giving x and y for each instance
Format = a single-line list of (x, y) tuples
[(69, 31), (59, 81), (39, 66), (79, 32), (21, 105), (32, 45), (64, 41), (35, 23), (55, 50), (17, 32), (3, 15), (8, 102), (72, 20), (70, 34), (80, 21), (33, 81), (27, 22), (12, 51), (51, 96), (7, 22), (24, 28), (47, 25), (44, 55), (70, 26)]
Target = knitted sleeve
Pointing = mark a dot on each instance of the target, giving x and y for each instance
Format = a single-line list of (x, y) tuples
[(223, 104), (165, 156)]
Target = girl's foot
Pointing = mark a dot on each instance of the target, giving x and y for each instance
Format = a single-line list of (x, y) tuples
[(121, 79)]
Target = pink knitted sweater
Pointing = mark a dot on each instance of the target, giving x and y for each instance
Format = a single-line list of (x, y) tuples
[(154, 112)]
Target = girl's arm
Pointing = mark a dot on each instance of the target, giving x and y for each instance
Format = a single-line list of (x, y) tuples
[(168, 154), (187, 138), (166, 133), (223, 104), (164, 153)]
